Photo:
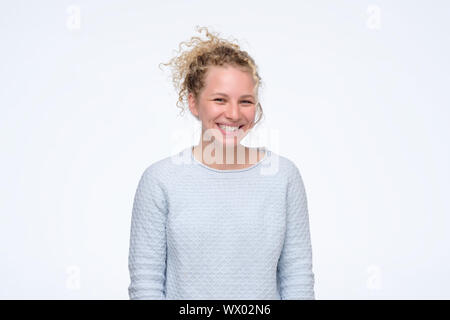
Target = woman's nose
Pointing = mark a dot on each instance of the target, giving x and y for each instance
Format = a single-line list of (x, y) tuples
[(232, 111)]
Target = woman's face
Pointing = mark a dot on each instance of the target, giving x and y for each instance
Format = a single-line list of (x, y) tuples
[(228, 98)]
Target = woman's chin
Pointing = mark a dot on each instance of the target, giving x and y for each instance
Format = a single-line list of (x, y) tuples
[(229, 141)]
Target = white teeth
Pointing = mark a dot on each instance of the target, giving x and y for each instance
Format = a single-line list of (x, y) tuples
[(228, 128)]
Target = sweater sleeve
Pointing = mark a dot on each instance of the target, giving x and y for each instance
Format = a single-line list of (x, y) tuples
[(147, 251), (294, 272)]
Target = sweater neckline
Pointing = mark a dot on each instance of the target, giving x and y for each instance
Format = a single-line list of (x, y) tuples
[(195, 161)]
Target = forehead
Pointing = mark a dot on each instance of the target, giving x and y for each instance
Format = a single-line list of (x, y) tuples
[(228, 79)]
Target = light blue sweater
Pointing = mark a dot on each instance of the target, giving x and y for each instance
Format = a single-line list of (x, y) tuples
[(204, 233)]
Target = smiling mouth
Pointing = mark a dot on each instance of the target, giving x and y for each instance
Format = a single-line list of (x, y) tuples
[(229, 133), (217, 124)]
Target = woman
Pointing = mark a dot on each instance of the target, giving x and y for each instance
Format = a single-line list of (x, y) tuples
[(232, 222)]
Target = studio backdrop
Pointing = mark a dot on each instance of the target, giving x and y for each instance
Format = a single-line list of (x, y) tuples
[(355, 93)]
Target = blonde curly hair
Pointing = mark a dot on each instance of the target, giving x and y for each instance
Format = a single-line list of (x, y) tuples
[(190, 67)]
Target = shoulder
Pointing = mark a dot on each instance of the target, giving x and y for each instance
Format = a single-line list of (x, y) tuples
[(160, 171), (283, 165), (288, 173)]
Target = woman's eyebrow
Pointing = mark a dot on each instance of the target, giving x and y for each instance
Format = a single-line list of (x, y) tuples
[(225, 95)]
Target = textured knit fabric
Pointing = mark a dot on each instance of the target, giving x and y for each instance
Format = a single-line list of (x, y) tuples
[(204, 233)]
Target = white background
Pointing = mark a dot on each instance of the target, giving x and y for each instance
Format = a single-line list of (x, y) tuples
[(356, 90)]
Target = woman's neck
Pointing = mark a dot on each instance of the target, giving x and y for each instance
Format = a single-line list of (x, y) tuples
[(227, 158)]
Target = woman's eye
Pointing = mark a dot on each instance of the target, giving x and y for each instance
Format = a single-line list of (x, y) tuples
[(221, 100)]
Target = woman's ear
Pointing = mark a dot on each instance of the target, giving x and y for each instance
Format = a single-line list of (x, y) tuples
[(192, 104)]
